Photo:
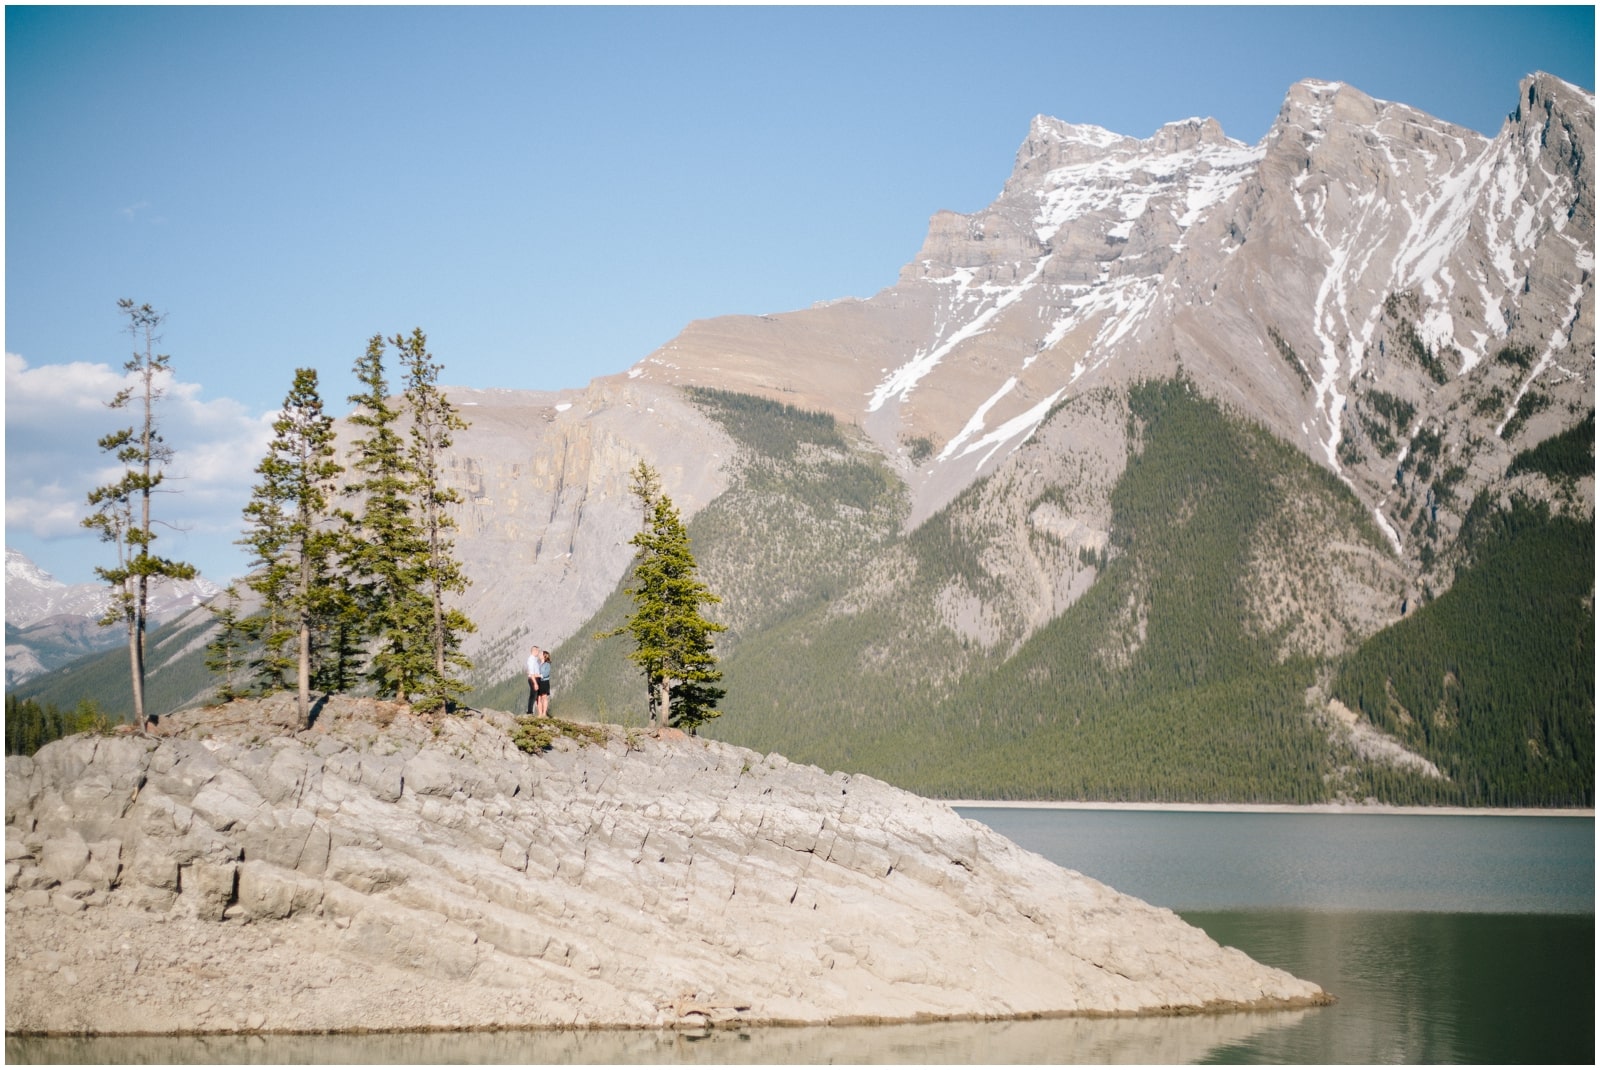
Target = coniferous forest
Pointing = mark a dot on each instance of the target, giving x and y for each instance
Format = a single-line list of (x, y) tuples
[(1177, 699), (1154, 685), (1494, 681)]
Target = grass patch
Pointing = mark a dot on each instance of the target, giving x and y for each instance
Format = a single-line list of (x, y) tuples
[(538, 734)]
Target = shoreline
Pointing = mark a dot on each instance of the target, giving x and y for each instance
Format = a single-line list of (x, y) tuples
[(1270, 808)]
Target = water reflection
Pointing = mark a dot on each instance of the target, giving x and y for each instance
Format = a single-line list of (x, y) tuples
[(1424, 988), (1061, 1040)]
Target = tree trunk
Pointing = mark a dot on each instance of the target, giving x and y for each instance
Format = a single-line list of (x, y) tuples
[(142, 600), (664, 704), (305, 672), (136, 667), (438, 595)]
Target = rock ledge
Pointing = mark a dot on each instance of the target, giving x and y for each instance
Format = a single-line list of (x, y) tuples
[(387, 871)]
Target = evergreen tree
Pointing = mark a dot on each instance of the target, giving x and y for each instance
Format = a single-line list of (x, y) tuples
[(433, 423), (31, 724), (289, 533), (339, 630), (224, 652), (269, 628), (122, 509), (672, 640), (386, 546)]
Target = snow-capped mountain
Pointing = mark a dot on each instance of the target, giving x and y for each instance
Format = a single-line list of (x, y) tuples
[(1362, 246), (49, 622), (1353, 282), (33, 594), (1407, 303)]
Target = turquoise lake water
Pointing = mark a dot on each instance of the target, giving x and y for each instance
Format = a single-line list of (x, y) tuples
[(1446, 939)]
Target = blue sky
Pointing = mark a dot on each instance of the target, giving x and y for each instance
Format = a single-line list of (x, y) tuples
[(552, 193)]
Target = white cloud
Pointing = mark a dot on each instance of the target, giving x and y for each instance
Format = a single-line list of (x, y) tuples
[(140, 211), (35, 395), (55, 416), (47, 513)]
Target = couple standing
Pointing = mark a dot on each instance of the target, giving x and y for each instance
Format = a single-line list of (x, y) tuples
[(538, 682)]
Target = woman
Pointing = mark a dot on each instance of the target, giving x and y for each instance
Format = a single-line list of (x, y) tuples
[(544, 684), (535, 657)]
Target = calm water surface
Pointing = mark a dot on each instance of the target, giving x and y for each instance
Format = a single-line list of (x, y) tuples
[(1446, 940), (1193, 860)]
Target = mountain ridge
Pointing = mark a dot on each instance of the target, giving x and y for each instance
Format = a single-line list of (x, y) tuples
[(50, 623), (1121, 285), (1405, 303)]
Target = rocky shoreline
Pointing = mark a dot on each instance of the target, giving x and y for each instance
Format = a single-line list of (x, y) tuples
[(389, 871)]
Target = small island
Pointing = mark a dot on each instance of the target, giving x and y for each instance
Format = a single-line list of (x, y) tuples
[(385, 869)]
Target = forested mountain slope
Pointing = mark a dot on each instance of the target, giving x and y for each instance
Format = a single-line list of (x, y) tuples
[(1236, 588)]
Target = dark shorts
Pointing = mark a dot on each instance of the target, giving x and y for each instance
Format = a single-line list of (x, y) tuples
[(544, 686)]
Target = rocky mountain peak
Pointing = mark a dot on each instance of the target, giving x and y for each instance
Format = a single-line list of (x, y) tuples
[(1267, 270), (1115, 182), (1052, 142), (1546, 92), (1554, 120), (1189, 134), (21, 570)]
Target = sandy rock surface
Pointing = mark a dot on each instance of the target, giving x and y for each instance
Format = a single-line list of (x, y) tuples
[(384, 870)]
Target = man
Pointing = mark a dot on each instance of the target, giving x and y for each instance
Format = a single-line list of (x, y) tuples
[(535, 665)]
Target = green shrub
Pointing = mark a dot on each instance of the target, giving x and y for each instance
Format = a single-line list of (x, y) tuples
[(536, 734)]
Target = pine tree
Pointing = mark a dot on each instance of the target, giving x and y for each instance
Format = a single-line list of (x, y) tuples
[(386, 545), (672, 640), (340, 631), (225, 651), (381, 537), (122, 509), (288, 530), (433, 423)]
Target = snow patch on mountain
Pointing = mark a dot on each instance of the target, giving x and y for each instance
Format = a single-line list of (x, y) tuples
[(1132, 177), (982, 311), (1015, 431)]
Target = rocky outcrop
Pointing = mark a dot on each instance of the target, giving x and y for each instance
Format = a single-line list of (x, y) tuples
[(385, 871)]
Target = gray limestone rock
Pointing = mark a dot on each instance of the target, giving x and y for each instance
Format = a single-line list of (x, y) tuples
[(672, 881)]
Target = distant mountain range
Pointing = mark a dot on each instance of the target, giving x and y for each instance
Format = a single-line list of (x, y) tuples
[(50, 623), (1186, 469)]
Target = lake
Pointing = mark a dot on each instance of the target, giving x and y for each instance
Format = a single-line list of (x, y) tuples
[(1447, 939)]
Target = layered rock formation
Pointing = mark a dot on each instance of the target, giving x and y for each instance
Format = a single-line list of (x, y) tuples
[(383, 871)]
